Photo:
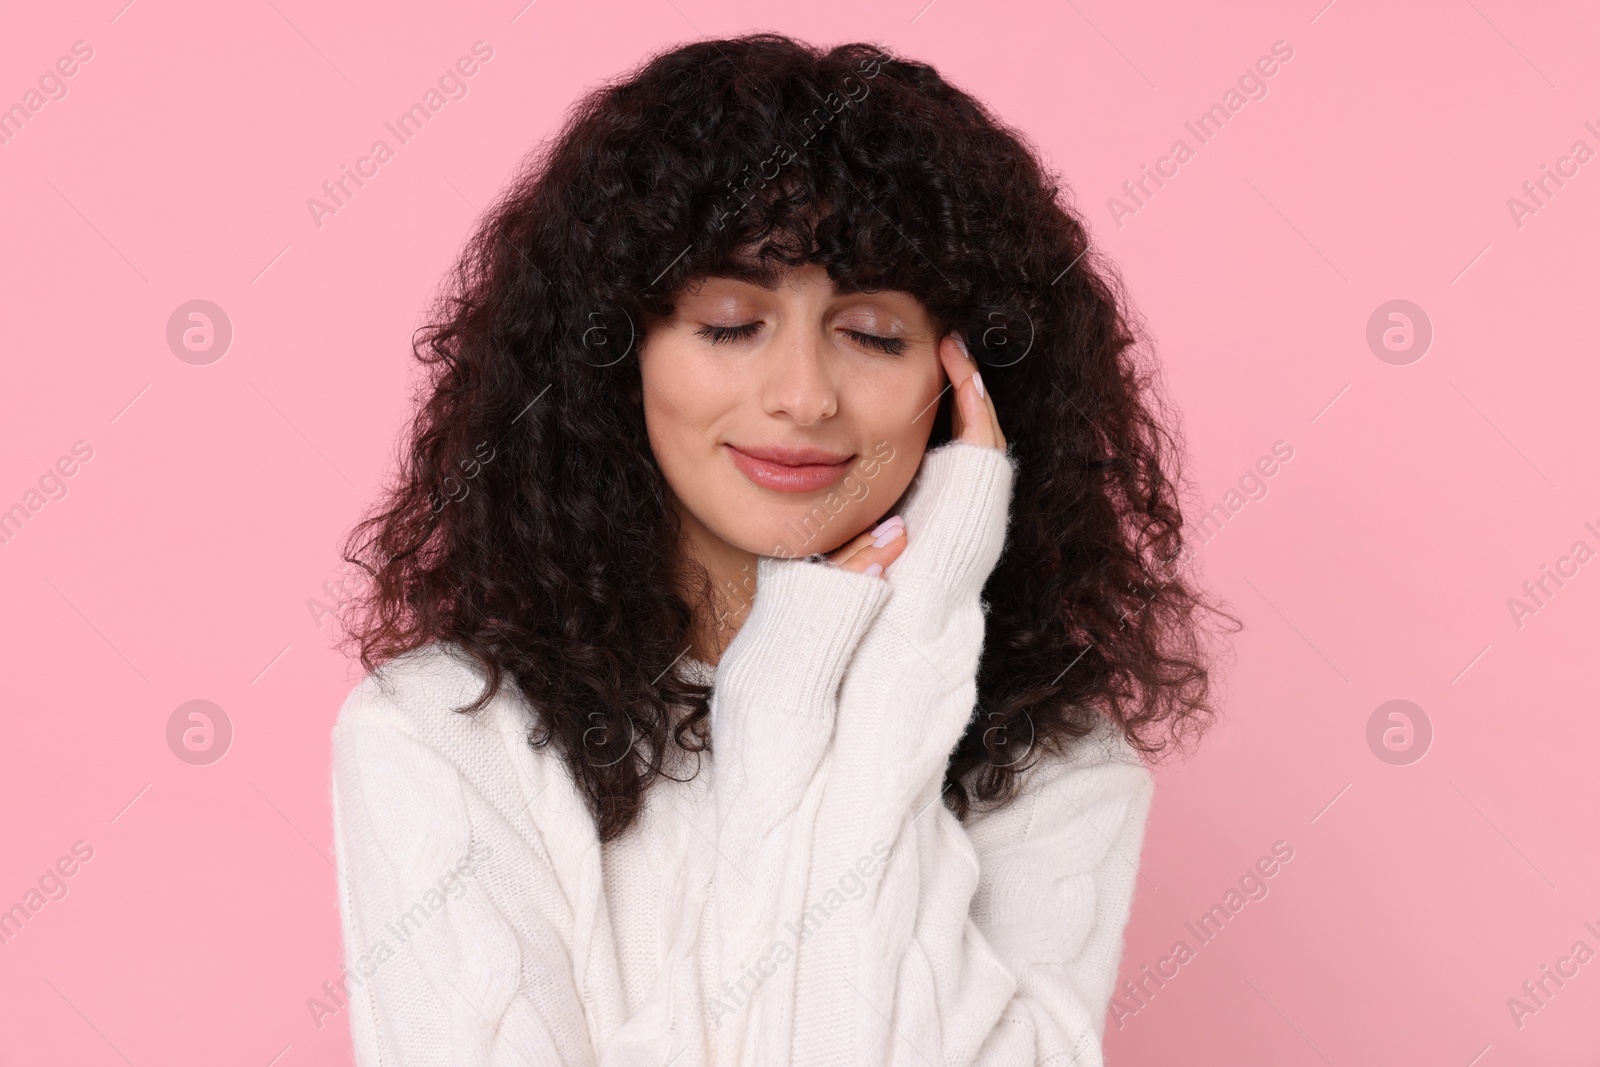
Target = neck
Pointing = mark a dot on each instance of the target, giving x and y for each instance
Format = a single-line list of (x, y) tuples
[(732, 572)]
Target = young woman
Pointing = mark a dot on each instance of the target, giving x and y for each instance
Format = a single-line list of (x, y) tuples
[(751, 679)]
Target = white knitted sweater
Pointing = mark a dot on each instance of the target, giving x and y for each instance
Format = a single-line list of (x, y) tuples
[(803, 898)]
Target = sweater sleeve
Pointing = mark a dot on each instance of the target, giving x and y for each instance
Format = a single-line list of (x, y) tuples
[(772, 711), (945, 954), (436, 974)]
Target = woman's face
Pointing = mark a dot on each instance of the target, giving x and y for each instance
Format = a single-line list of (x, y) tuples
[(788, 420)]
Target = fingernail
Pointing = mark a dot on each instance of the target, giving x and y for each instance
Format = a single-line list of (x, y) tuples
[(886, 523), (977, 379), (897, 530), (961, 343), (875, 569)]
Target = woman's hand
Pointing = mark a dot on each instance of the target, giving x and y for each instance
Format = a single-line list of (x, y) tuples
[(972, 419), (874, 550)]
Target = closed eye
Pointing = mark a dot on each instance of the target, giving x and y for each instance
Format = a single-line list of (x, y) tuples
[(725, 334), (722, 334), (892, 345)]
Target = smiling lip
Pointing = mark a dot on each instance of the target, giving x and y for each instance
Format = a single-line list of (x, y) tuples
[(790, 470)]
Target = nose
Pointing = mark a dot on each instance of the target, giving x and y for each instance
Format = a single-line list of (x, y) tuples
[(800, 383)]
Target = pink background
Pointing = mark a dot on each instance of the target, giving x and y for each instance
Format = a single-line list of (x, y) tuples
[(1419, 498)]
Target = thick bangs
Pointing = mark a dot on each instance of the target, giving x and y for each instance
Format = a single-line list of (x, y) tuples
[(808, 166)]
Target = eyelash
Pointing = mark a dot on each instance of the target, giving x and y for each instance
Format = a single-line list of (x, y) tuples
[(891, 345), (721, 334)]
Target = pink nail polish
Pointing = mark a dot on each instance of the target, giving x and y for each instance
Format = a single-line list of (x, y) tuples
[(897, 530), (977, 379), (875, 569), (892, 520)]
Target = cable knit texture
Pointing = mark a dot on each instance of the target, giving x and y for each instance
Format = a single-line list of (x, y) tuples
[(802, 898)]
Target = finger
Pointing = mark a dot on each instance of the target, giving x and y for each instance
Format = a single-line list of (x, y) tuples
[(958, 367), (979, 427), (953, 357), (845, 552), (991, 415), (978, 407), (978, 422), (997, 439), (879, 545), (953, 362), (875, 558)]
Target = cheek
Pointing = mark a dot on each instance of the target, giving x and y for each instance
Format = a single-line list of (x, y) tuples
[(685, 402), (898, 408), (675, 399), (894, 416), (659, 405)]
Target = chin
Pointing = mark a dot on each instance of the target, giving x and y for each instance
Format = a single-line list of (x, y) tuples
[(798, 531)]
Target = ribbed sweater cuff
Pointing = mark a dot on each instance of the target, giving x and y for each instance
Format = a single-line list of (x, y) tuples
[(803, 627), (956, 512)]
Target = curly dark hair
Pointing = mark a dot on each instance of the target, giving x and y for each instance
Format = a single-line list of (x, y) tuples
[(530, 526)]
